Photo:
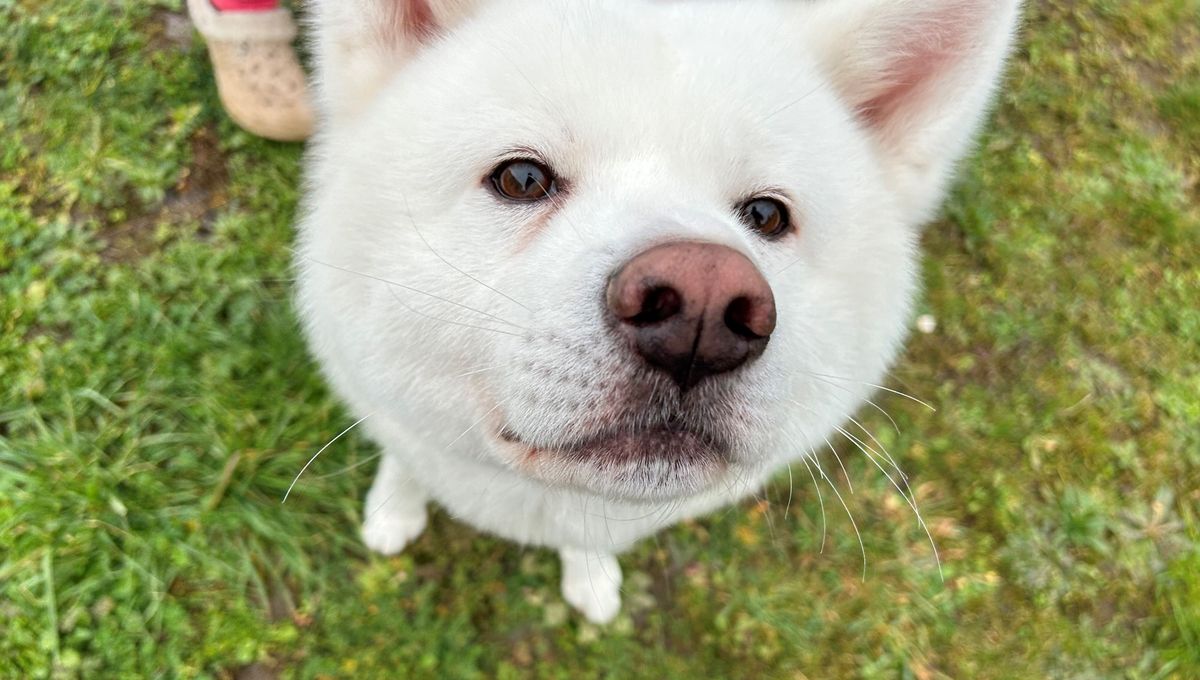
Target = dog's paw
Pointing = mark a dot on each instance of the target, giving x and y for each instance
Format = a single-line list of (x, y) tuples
[(388, 532), (599, 602), (591, 583)]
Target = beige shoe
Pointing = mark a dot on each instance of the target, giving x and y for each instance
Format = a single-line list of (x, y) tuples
[(259, 77)]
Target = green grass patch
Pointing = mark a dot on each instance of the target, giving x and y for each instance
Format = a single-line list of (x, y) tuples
[(156, 400)]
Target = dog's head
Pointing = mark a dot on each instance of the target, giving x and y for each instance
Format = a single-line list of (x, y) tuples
[(639, 248)]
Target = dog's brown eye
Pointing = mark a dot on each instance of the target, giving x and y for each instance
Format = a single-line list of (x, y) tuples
[(524, 181), (767, 216)]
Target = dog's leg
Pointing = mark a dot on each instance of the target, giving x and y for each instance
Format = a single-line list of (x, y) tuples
[(395, 509), (591, 582)]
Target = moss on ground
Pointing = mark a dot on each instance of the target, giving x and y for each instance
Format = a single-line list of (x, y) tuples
[(156, 401)]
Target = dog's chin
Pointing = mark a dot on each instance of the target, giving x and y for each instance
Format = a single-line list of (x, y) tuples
[(650, 465)]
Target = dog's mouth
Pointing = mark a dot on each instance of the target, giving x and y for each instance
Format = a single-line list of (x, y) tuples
[(633, 445), (637, 463)]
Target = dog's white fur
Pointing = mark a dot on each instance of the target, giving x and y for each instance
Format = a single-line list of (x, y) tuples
[(446, 315)]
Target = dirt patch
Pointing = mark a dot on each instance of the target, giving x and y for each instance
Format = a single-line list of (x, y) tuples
[(170, 31), (256, 671), (198, 194)]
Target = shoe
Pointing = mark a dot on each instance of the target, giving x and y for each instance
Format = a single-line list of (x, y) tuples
[(259, 78)]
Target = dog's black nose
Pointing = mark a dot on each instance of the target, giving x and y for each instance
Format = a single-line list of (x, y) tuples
[(693, 310)]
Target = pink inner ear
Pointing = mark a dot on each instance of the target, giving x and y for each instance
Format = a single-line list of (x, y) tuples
[(419, 19), (921, 53), (410, 19), (904, 87)]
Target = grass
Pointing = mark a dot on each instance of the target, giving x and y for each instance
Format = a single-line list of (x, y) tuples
[(156, 400)]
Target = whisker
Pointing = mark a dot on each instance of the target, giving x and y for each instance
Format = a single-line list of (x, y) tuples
[(656, 513), (794, 102), (866, 449), (787, 508), (558, 207), (876, 406), (832, 449), (415, 290), (878, 387), (481, 496), (604, 516), (834, 453), (450, 264), (475, 424), (861, 546), (885, 414), (820, 501), (740, 479), (477, 371), (766, 502), (318, 453), (887, 454), (452, 322), (554, 105), (668, 510), (789, 265), (348, 468), (587, 562)]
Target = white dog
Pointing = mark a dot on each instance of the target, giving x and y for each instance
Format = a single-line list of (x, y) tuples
[(587, 268)]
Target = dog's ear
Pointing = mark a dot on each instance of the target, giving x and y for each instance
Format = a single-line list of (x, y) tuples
[(918, 74), (359, 44)]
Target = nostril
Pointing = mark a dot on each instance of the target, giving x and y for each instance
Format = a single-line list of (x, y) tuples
[(749, 320), (659, 304), (691, 310)]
